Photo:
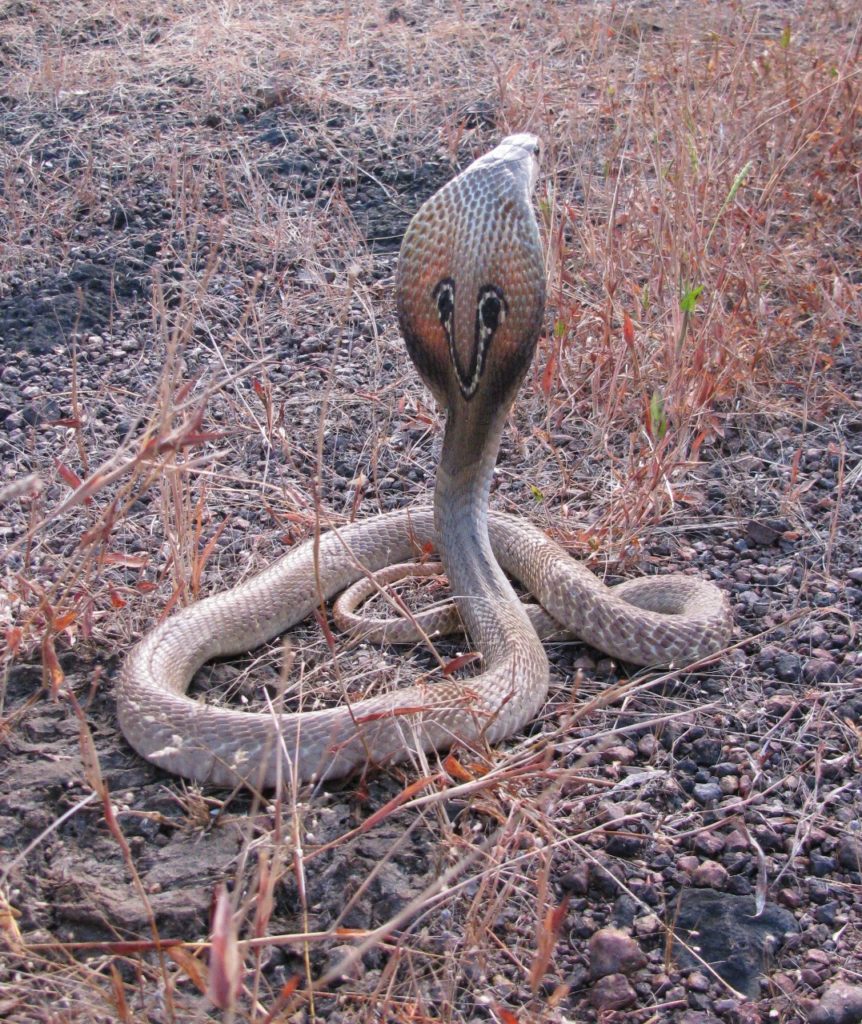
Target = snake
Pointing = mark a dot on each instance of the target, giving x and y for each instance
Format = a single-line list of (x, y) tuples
[(470, 298)]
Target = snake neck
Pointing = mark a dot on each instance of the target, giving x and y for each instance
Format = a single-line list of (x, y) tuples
[(486, 601)]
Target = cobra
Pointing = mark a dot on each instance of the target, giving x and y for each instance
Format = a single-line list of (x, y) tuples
[(470, 295)]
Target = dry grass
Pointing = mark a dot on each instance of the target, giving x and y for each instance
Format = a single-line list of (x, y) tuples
[(701, 209)]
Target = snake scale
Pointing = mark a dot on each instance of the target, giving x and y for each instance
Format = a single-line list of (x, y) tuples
[(470, 295)]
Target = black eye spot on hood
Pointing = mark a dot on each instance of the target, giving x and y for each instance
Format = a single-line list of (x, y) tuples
[(491, 309), (444, 297)]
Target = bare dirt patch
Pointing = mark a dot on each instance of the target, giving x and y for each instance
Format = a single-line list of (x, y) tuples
[(202, 206)]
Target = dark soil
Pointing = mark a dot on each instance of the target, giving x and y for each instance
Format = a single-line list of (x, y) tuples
[(740, 779)]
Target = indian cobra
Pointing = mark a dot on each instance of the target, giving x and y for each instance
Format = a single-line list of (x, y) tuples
[(470, 294)]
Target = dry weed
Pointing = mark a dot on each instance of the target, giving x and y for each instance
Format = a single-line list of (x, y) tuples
[(246, 385)]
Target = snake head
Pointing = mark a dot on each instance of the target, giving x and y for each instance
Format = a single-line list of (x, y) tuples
[(471, 281)]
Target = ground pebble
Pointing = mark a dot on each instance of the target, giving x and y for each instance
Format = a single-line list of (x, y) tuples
[(577, 880), (707, 792), (820, 865), (612, 992), (710, 875), (618, 752), (709, 843), (648, 745), (612, 952), (849, 853), (648, 925), (697, 981), (336, 957), (820, 670), (841, 1004), (736, 841), (706, 751), (819, 957)]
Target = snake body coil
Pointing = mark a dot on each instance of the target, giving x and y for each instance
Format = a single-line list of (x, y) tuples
[(470, 291)]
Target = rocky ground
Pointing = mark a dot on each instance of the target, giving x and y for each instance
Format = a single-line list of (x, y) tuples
[(200, 361)]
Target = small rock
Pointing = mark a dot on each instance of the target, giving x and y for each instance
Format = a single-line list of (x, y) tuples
[(841, 1004), (625, 845), (709, 843), (620, 753), (706, 751), (605, 669), (577, 880), (119, 219), (747, 1013), (648, 745), (818, 956), (687, 864), (736, 841), (710, 875), (848, 853), (788, 668), (763, 532), (707, 792), (614, 952), (336, 956), (820, 670), (613, 992), (790, 898), (827, 913), (783, 982), (697, 981), (648, 925)]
